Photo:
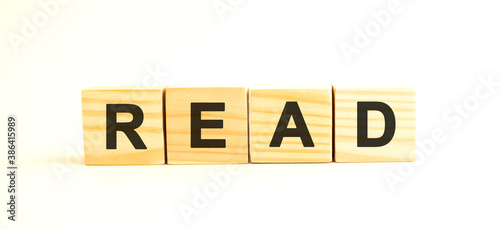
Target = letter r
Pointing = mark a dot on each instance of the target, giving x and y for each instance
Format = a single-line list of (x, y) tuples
[(128, 128)]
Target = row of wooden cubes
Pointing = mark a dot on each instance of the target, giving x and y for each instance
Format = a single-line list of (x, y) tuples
[(260, 124)]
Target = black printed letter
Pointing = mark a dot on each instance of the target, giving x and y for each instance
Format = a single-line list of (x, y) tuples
[(390, 124), (197, 124), (126, 127), (300, 130)]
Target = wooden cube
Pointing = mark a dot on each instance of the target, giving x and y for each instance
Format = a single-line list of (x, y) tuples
[(291, 123), (123, 125), (206, 125), (374, 124)]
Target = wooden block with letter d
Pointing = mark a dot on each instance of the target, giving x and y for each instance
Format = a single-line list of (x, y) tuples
[(291, 123), (123, 125), (374, 124), (206, 125)]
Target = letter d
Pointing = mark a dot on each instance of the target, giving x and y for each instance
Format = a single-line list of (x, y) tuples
[(390, 124), (28, 30), (383, 17), (222, 178), (199, 200), (361, 40), (51, 7)]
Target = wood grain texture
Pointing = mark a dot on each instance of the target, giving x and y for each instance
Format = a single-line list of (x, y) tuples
[(400, 148), (266, 107), (149, 99), (235, 125)]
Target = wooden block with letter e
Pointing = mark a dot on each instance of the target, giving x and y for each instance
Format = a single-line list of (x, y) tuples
[(291, 123), (374, 124), (206, 125), (123, 125)]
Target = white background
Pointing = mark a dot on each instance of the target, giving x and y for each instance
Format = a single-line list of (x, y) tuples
[(441, 48)]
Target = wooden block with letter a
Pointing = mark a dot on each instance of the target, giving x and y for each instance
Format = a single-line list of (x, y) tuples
[(291, 123), (374, 124), (206, 125), (123, 125)]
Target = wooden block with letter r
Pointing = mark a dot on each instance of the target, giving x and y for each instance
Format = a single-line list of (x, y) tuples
[(374, 124), (206, 125), (123, 125), (291, 123)]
